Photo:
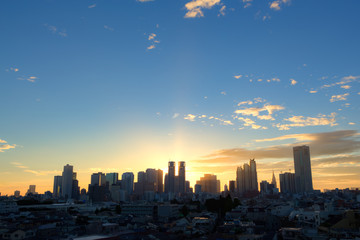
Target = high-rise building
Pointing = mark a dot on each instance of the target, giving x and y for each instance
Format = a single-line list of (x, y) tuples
[(182, 177), (160, 184), (127, 182), (240, 180), (253, 176), (303, 177), (112, 178), (66, 184), (171, 177), (57, 186), (31, 190), (232, 186), (246, 177), (273, 180), (98, 179), (287, 182), (209, 183)]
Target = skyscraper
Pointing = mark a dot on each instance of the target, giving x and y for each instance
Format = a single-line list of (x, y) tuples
[(253, 176), (182, 177), (246, 177), (171, 177), (57, 186), (160, 181), (98, 179), (112, 178), (127, 182), (303, 177), (273, 180), (209, 183), (67, 178), (287, 182)]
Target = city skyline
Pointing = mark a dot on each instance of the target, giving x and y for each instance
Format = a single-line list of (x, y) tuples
[(121, 86)]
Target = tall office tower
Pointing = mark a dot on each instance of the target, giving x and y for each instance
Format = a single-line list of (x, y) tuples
[(287, 182), (127, 180), (209, 184), (112, 178), (31, 190), (273, 180), (187, 186), (171, 177), (182, 177), (159, 181), (66, 184), (75, 194), (166, 183), (303, 178), (141, 177), (240, 180), (247, 177), (98, 179), (57, 186), (232, 186), (253, 175)]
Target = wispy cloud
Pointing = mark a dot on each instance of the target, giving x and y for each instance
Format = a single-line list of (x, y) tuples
[(237, 76), (145, 0), (222, 11), (55, 30), (29, 78), (256, 111), (195, 7), (153, 41), (108, 28), (278, 4), (12, 69), (5, 146), (341, 97), (301, 121), (343, 81), (92, 6)]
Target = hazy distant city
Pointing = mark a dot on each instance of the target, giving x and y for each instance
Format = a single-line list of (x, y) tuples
[(159, 206)]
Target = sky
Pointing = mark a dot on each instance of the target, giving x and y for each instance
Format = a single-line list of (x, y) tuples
[(126, 85)]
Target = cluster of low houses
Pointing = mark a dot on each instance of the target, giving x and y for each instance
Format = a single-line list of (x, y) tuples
[(331, 215)]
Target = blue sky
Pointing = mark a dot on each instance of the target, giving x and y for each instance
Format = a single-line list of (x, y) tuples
[(123, 85)]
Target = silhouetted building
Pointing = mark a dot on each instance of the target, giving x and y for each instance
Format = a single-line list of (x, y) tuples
[(171, 177), (246, 178), (266, 187), (127, 182), (303, 177), (209, 184), (17, 193), (112, 178), (57, 186), (182, 177), (98, 179), (273, 180), (67, 181), (232, 187), (31, 190), (160, 184), (287, 182)]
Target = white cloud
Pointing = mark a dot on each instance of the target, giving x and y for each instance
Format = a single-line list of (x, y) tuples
[(175, 115), (92, 6), (145, 0), (351, 123), (153, 41), (5, 146), (293, 81), (277, 5), (194, 8), (238, 76), (223, 93), (313, 91), (340, 97), (190, 117), (301, 121), (344, 80), (151, 36), (255, 111), (346, 86), (151, 47), (55, 30), (108, 28)]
